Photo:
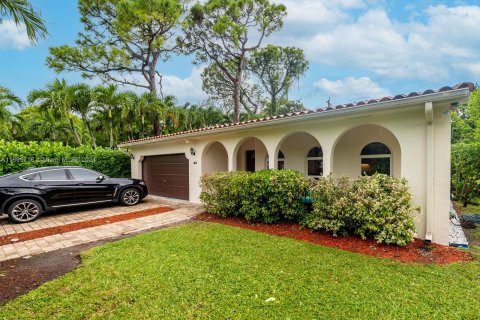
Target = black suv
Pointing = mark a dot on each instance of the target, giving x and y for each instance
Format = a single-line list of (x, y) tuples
[(25, 195)]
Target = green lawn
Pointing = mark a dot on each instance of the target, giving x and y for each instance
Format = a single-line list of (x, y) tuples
[(470, 209), (211, 271)]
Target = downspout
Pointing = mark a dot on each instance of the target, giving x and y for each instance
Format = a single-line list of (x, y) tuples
[(429, 171)]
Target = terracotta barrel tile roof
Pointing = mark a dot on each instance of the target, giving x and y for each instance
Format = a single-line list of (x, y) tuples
[(462, 85)]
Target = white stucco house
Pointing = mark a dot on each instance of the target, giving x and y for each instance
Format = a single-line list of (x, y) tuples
[(404, 136)]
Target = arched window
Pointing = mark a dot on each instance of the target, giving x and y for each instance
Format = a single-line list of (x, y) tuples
[(280, 162), (315, 162), (376, 158)]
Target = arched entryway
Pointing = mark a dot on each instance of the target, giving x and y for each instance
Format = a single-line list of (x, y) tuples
[(367, 149), (302, 152), (250, 155), (214, 158)]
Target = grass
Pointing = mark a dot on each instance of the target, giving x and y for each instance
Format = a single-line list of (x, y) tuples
[(212, 271), (470, 209)]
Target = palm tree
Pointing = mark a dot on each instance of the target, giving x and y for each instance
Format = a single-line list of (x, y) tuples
[(107, 100), (21, 11), (7, 100), (146, 103), (82, 103), (35, 124), (57, 96), (130, 110)]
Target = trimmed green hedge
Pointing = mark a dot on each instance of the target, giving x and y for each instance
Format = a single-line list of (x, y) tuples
[(17, 156), (377, 207), (266, 196)]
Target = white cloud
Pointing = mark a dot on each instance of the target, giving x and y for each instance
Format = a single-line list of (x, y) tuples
[(187, 89), (13, 37), (351, 88), (352, 34)]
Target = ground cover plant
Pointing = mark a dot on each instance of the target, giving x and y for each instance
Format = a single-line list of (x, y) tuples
[(204, 270)]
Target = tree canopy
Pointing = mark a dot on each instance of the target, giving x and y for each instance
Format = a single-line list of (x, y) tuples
[(224, 32), (123, 41)]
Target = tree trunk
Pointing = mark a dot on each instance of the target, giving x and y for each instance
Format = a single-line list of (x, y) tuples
[(156, 127), (274, 105), (112, 143), (75, 133), (90, 132), (143, 125), (236, 96), (129, 133)]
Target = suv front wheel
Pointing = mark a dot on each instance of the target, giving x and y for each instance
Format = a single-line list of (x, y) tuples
[(130, 197), (25, 210)]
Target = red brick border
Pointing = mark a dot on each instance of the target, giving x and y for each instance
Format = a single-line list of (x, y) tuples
[(35, 234)]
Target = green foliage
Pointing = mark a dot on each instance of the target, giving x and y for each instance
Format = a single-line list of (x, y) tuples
[(224, 33), (465, 171), (376, 207), (17, 156), (271, 196), (466, 121), (277, 69), (22, 12), (222, 192), (121, 39), (266, 196)]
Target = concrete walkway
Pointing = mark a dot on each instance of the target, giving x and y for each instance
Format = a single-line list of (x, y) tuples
[(182, 211)]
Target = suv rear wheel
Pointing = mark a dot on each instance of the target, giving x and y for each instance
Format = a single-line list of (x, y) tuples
[(25, 210)]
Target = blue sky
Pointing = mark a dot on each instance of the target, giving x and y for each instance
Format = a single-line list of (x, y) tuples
[(358, 49)]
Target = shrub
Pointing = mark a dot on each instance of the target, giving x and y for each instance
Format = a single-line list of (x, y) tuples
[(222, 192), (17, 156), (331, 206), (266, 196), (274, 195), (377, 207), (465, 171)]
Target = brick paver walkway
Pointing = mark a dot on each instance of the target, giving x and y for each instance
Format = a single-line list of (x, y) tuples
[(182, 211)]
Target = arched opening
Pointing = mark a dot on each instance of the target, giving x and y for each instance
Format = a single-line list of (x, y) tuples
[(302, 152), (214, 158), (251, 154), (367, 149)]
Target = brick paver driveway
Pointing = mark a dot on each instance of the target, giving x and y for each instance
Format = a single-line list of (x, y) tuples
[(181, 211)]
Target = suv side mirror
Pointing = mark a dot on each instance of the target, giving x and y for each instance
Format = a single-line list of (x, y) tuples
[(100, 178)]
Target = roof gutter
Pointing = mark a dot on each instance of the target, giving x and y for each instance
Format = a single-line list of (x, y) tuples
[(387, 105)]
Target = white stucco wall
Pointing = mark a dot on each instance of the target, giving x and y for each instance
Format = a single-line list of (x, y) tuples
[(403, 130)]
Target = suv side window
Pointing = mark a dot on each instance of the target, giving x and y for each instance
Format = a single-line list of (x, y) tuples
[(53, 175), (83, 175), (32, 177)]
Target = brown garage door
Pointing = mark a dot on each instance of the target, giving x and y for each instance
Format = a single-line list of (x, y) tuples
[(167, 175)]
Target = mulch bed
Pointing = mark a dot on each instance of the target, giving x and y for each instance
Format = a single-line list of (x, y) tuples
[(34, 234), (417, 251)]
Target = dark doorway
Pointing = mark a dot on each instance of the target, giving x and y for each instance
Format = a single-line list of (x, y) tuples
[(250, 162)]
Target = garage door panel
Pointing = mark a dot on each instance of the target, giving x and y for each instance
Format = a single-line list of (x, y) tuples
[(167, 175)]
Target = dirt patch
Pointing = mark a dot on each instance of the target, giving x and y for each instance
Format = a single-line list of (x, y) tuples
[(29, 235), (18, 276), (417, 251)]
